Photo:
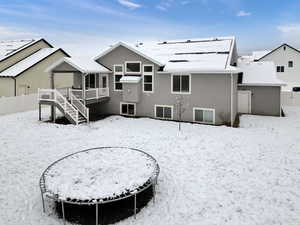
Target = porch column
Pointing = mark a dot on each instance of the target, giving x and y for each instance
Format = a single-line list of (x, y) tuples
[(83, 87), (52, 85)]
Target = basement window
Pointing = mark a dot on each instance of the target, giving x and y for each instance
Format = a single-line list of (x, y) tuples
[(203, 115)]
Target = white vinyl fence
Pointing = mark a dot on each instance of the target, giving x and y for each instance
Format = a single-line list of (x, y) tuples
[(290, 98), (18, 104)]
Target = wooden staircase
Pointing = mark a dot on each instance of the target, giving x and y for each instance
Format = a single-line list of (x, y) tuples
[(73, 109)]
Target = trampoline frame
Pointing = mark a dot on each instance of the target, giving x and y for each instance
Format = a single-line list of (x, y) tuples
[(151, 181)]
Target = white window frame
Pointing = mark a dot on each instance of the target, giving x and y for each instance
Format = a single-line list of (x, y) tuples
[(190, 83), (148, 74), (169, 106), (118, 73), (127, 103), (125, 64), (204, 109)]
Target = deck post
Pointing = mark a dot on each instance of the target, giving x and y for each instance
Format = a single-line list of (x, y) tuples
[(54, 114), (83, 88)]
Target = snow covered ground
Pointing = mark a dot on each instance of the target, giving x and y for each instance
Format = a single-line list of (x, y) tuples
[(209, 175)]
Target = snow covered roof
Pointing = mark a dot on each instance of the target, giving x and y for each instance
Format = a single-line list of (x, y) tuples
[(256, 55), (259, 74), (130, 79), (82, 64), (192, 55), (10, 47), (28, 62)]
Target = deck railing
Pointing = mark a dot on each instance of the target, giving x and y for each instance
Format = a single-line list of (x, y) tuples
[(91, 93)]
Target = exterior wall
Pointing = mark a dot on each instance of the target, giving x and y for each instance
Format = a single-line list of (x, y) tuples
[(291, 76), (207, 91), (265, 100), (7, 87), (22, 54), (36, 77), (131, 92)]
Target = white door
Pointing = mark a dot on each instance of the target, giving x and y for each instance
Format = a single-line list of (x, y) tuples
[(244, 102)]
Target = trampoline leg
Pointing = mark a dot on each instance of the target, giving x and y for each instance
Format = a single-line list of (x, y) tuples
[(43, 202), (135, 206), (97, 217), (153, 187), (63, 212)]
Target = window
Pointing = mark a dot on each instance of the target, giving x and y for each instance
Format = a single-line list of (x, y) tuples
[(90, 81), (133, 67), (118, 73), (164, 112), (291, 64), (148, 74), (203, 115), (280, 69), (128, 109), (181, 84)]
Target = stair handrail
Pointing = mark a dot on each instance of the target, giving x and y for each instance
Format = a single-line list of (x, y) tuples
[(79, 106), (66, 105)]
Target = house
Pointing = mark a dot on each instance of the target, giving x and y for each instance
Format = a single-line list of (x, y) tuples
[(23, 64), (194, 80), (287, 62)]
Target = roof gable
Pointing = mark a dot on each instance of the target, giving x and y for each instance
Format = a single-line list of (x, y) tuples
[(129, 48), (30, 61), (271, 52), (83, 65), (18, 46)]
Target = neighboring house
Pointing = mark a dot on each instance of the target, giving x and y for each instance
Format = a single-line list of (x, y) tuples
[(287, 62), (192, 80), (23, 64), (259, 89)]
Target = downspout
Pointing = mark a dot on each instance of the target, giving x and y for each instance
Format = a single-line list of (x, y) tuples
[(231, 100)]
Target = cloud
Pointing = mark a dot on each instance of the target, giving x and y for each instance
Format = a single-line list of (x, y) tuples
[(164, 5), (129, 4), (290, 33), (242, 13), (289, 28)]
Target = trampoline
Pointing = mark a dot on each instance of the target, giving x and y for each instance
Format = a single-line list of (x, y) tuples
[(115, 182)]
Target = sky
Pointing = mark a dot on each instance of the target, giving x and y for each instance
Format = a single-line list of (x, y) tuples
[(87, 27)]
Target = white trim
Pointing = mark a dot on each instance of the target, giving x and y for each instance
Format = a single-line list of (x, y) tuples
[(125, 66), (164, 106), (226, 72), (127, 103), (117, 73), (131, 49), (204, 109), (190, 83), (148, 74)]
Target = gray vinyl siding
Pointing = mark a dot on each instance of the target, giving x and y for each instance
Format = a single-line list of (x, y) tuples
[(207, 91), (265, 100)]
